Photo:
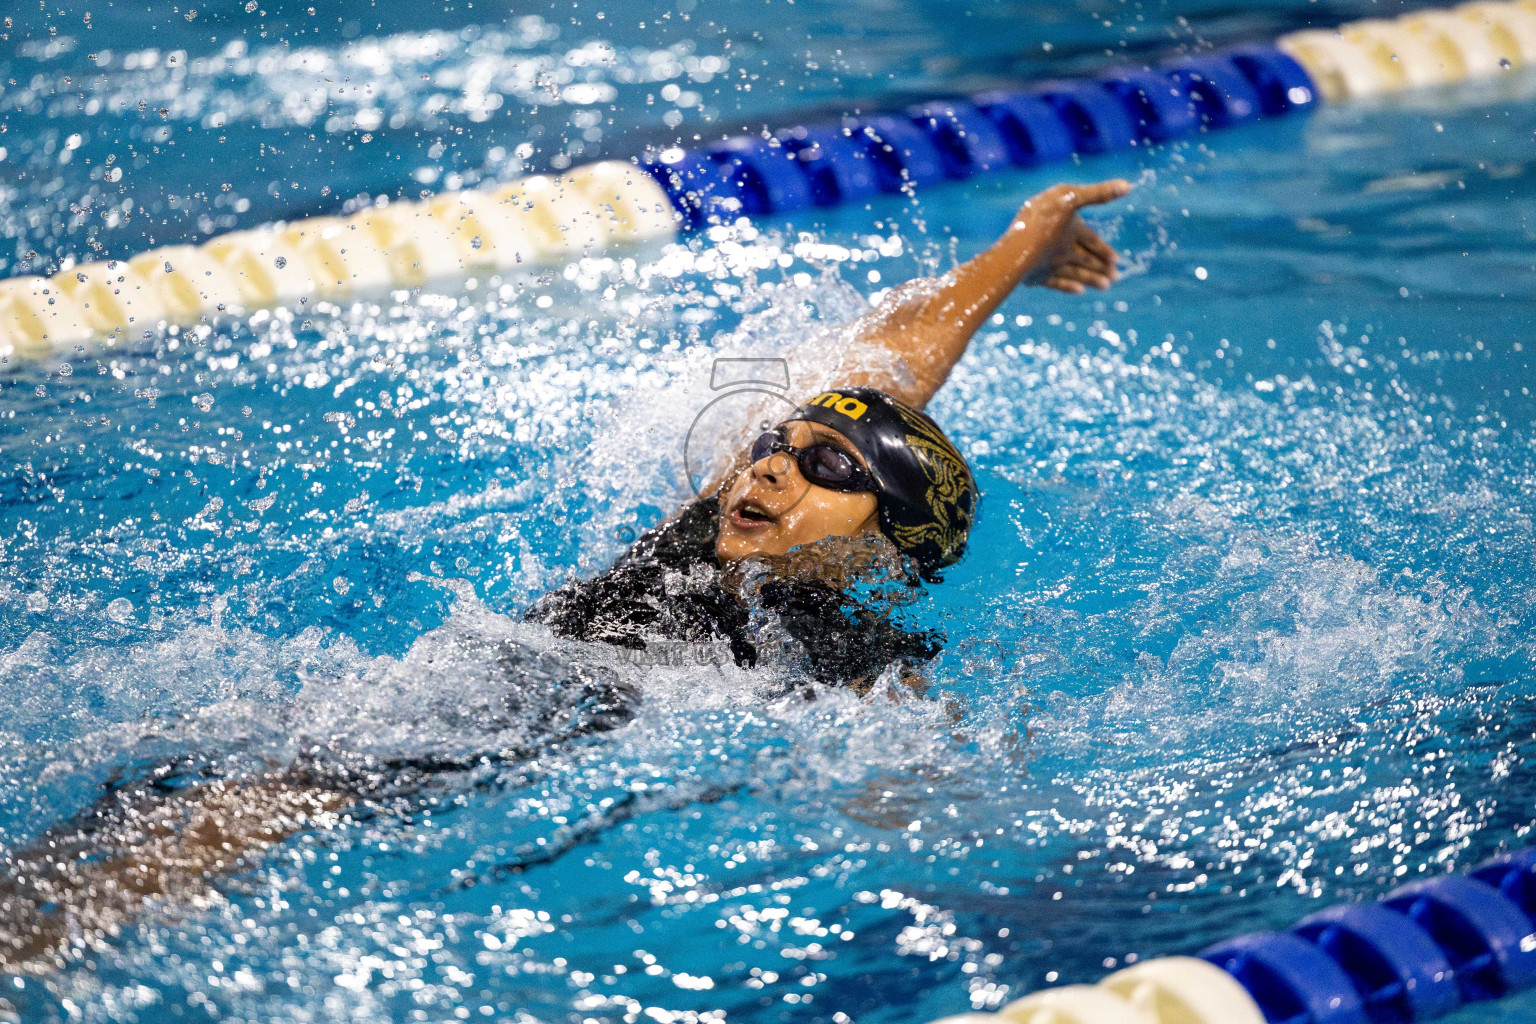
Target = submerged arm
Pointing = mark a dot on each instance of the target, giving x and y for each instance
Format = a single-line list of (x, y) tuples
[(93, 877), (928, 323)]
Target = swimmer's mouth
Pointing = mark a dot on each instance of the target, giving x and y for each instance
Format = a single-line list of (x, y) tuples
[(749, 516)]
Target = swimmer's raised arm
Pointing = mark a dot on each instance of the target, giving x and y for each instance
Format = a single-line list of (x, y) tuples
[(927, 323)]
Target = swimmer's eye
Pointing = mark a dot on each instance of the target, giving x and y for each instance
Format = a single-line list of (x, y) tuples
[(822, 464)]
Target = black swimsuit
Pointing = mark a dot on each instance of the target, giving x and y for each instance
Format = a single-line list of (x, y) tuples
[(667, 588)]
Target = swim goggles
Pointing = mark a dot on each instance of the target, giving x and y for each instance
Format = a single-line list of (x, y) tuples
[(822, 464)]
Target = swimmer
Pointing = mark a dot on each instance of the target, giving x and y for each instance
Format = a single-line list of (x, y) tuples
[(860, 462), (857, 482)]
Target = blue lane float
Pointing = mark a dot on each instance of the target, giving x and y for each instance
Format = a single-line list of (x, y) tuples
[(1514, 875), (838, 170), (1159, 104), (1030, 127), (1484, 934), (1221, 95), (1096, 119), (1423, 950), (1394, 965), (1291, 980), (901, 152), (1282, 84), (820, 165), (761, 174), (967, 140)]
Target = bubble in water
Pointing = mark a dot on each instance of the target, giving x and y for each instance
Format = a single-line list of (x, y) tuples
[(120, 609), (203, 401), (40, 391), (280, 262), (37, 602), (1504, 63), (250, 6), (473, 244), (80, 277), (342, 584)]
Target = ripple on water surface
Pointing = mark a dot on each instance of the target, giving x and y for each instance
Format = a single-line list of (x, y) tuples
[(1208, 659)]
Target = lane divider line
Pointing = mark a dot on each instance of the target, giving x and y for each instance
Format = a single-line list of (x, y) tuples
[(1423, 950), (545, 219)]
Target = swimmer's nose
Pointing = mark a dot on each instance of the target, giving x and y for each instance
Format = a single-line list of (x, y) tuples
[(774, 470)]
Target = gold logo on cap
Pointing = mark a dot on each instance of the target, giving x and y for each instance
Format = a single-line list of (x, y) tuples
[(850, 407)]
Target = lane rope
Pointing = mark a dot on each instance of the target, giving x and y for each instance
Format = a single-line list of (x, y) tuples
[(102, 305), (1423, 950)]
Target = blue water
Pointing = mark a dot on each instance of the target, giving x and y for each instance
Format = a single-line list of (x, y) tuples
[(1245, 628)]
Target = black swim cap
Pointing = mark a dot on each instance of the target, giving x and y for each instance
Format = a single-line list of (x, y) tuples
[(926, 492)]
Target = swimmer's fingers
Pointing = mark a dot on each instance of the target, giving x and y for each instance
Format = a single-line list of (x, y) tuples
[(1096, 248), (1075, 197), (1081, 274), (1059, 200), (1071, 256), (1093, 252), (1063, 284), (1102, 192), (1096, 262)]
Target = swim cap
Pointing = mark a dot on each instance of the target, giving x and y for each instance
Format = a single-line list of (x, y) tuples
[(926, 492)]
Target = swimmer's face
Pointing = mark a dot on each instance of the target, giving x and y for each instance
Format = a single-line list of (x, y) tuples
[(770, 508)]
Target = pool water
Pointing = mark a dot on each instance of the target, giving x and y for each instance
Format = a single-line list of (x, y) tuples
[(1245, 628)]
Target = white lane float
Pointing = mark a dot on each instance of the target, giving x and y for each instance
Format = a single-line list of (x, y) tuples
[(1073, 1004), (1184, 990), (192, 283), (38, 319), (116, 298), (264, 267)]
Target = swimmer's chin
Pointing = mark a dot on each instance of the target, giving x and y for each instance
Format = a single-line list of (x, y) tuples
[(837, 560), (733, 544)]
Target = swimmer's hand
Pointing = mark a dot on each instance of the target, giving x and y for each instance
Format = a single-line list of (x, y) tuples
[(1070, 256)]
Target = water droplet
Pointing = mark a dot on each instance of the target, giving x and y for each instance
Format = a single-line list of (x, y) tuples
[(342, 584), (120, 609), (280, 262), (203, 401)]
